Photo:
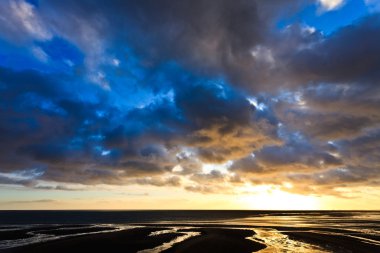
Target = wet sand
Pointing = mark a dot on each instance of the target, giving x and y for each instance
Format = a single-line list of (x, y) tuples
[(13, 234), (133, 240), (206, 238), (218, 240), (190, 231), (334, 242), (125, 241)]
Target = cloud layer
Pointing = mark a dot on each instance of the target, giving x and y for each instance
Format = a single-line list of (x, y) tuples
[(153, 92)]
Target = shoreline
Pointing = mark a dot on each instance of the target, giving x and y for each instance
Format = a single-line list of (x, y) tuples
[(187, 237)]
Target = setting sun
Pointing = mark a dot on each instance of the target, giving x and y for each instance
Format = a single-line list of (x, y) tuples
[(267, 198)]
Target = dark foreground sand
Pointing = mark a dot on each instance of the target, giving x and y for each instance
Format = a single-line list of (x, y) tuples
[(122, 241), (211, 240), (50, 230), (218, 240), (335, 242)]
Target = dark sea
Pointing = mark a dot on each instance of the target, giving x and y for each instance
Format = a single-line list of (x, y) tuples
[(281, 231)]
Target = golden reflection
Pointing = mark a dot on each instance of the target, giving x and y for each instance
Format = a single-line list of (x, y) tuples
[(278, 242)]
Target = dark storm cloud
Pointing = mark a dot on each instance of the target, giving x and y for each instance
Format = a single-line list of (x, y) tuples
[(339, 112), (72, 143), (196, 63), (211, 118), (362, 151), (214, 37), (355, 99), (352, 54), (223, 123), (41, 128), (327, 126), (290, 157), (299, 55)]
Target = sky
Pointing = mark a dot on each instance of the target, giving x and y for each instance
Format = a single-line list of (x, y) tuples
[(190, 104)]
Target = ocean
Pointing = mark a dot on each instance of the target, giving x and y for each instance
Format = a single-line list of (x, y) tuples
[(279, 231)]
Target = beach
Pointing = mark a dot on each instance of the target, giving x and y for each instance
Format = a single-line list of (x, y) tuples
[(190, 231), (218, 240), (139, 239), (130, 240)]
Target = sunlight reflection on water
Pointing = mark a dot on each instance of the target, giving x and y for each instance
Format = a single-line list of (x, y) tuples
[(360, 222), (278, 243), (167, 245)]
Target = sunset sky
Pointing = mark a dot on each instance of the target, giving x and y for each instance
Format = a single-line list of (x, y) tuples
[(190, 104)]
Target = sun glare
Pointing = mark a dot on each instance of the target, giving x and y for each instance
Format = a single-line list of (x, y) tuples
[(270, 198)]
